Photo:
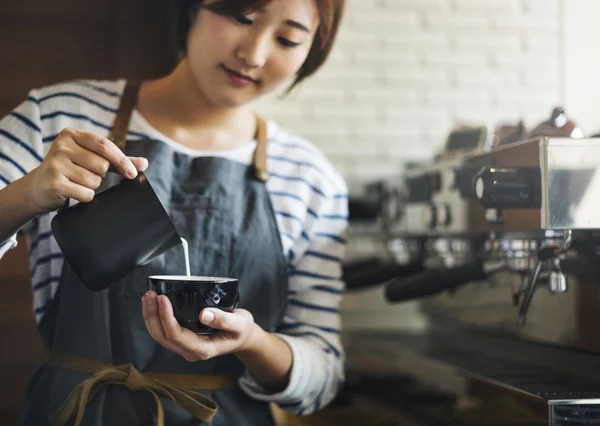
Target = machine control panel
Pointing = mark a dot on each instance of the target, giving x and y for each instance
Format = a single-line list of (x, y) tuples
[(508, 188)]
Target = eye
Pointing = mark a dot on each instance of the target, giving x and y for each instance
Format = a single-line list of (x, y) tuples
[(287, 43), (242, 20)]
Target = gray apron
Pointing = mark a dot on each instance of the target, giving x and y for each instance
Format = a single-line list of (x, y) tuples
[(222, 208)]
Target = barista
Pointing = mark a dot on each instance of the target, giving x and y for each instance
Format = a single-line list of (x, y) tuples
[(116, 358)]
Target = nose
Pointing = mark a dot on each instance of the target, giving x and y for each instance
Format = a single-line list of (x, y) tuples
[(253, 51)]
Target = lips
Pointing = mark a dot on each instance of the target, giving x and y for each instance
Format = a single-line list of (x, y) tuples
[(238, 77)]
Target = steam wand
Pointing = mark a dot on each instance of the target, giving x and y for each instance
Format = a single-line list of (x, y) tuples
[(547, 253)]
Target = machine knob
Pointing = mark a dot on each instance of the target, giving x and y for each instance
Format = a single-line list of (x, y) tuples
[(517, 188)]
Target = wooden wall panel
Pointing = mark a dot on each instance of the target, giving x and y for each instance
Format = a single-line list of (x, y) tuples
[(44, 42), (21, 347), (62, 57), (75, 10)]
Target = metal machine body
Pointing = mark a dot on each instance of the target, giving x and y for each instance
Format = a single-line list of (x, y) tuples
[(507, 242)]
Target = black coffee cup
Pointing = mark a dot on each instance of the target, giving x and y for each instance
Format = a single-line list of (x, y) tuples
[(123, 227), (189, 295)]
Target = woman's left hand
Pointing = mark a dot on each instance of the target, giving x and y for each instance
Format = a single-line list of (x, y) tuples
[(237, 329)]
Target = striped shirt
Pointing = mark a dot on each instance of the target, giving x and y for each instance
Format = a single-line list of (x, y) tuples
[(308, 195)]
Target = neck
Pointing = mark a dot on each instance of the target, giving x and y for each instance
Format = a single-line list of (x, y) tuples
[(176, 106)]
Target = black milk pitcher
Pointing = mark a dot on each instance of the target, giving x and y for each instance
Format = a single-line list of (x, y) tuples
[(123, 227)]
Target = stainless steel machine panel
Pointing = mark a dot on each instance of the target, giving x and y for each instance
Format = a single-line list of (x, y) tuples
[(570, 183)]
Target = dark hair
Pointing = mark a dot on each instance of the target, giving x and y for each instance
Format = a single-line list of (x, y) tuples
[(330, 15)]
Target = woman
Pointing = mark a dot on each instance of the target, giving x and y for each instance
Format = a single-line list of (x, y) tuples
[(253, 200)]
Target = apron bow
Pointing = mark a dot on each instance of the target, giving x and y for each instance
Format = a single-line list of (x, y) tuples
[(198, 405)]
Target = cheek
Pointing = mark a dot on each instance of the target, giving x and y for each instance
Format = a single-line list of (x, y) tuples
[(220, 32), (211, 34), (288, 64)]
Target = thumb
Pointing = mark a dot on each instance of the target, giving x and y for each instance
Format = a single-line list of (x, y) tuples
[(140, 163), (221, 320)]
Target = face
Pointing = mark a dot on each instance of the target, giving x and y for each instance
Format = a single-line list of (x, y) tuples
[(234, 60)]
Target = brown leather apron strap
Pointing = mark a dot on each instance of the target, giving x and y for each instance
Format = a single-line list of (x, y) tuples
[(260, 153), (173, 386), (120, 128)]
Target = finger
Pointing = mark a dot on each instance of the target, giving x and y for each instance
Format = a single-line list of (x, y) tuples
[(140, 163), (100, 165), (77, 192), (151, 318), (232, 325), (83, 177), (232, 322), (89, 160), (180, 336), (153, 323), (105, 149), (173, 331)]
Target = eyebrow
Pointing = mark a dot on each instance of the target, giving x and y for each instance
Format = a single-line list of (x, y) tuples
[(297, 25)]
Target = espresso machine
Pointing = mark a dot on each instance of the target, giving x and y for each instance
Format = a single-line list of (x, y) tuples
[(497, 243)]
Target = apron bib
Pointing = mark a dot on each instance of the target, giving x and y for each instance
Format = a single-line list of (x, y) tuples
[(222, 208)]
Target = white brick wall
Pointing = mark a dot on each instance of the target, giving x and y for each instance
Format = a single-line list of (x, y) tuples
[(403, 72)]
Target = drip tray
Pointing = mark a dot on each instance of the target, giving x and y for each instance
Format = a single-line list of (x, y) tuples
[(540, 371), (427, 406)]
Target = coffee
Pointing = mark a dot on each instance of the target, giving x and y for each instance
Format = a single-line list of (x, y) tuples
[(190, 294), (187, 256)]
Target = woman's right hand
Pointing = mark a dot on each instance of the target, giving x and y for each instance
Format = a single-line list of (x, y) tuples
[(75, 166)]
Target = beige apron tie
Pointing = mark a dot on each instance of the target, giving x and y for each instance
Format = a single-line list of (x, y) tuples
[(176, 387)]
